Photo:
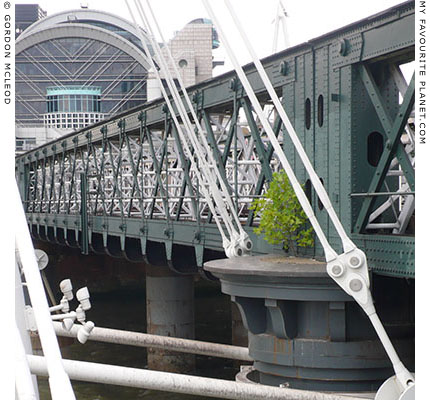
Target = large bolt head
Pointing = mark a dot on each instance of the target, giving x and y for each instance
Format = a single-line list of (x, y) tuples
[(337, 270), (355, 285), (354, 261), (343, 47)]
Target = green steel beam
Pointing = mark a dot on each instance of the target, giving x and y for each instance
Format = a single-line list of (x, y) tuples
[(84, 215), (393, 131), (314, 67)]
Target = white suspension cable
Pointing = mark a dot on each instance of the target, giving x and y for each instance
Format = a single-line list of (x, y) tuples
[(349, 270), (205, 167), (23, 380), (58, 380), (187, 150), (239, 242), (245, 242), (330, 254), (348, 245)]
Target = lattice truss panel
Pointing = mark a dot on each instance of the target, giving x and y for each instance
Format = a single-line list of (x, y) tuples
[(147, 174), (389, 203)]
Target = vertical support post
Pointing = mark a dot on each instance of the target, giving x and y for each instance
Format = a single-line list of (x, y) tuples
[(84, 215), (236, 189), (23, 172)]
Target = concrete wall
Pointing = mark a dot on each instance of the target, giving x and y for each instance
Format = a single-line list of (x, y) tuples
[(193, 46)]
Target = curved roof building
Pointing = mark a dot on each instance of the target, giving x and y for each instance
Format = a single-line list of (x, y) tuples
[(77, 67)]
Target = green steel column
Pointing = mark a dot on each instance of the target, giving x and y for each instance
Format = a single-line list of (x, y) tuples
[(84, 215)]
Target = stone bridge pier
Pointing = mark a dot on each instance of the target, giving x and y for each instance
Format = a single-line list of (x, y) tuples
[(169, 312)]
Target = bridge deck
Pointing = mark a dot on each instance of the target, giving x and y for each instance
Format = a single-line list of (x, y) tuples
[(124, 185)]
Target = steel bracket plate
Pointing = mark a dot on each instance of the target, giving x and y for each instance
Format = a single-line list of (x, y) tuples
[(347, 50), (284, 71)]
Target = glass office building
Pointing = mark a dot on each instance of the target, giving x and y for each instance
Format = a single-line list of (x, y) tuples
[(72, 106), (73, 69), (78, 67)]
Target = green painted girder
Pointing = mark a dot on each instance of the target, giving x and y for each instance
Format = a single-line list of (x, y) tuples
[(385, 252), (84, 214), (388, 32), (261, 149), (215, 150), (184, 231), (311, 69), (393, 131)]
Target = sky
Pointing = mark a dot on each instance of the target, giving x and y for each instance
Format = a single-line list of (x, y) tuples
[(307, 19)]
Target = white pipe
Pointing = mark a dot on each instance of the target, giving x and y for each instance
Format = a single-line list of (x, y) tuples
[(330, 254), (404, 376), (178, 383), (138, 339), (58, 307), (57, 317), (23, 380), (58, 380)]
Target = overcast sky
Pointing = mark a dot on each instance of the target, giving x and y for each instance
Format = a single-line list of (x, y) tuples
[(307, 19)]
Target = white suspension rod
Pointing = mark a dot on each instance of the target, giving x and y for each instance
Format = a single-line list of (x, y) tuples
[(23, 380), (179, 128), (205, 168), (330, 254), (58, 380), (347, 243), (197, 123), (349, 270)]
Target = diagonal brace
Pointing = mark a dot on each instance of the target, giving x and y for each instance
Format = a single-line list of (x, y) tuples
[(392, 148)]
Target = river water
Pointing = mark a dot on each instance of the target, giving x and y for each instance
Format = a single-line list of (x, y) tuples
[(126, 310)]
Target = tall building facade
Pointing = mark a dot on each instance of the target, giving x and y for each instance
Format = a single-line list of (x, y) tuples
[(26, 15), (76, 68)]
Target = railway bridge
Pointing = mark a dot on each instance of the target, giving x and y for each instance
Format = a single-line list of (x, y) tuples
[(124, 187)]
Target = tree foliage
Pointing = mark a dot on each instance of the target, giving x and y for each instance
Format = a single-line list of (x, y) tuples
[(282, 219)]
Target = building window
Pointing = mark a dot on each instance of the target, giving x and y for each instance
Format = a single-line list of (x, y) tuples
[(24, 144), (73, 99), (182, 63)]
